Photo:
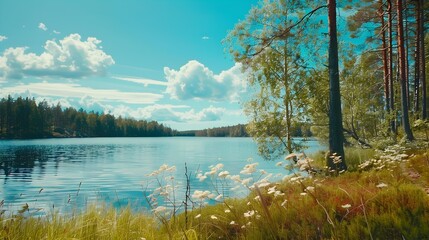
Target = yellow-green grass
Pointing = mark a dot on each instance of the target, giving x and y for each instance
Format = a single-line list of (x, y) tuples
[(386, 203)]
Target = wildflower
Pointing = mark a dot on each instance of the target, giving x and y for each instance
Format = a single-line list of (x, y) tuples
[(257, 198), (271, 190), (243, 227), (263, 183), (223, 174), (219, 197), (227, 211), (381, 185), (248, 203), (249, 168), (279, 164), (303, 193), (283, 203), (249, 213), (278, 193), (198, 216), (201, 195), (236, 178), (159, 209), (292, 155), (248, 224), (246, 181), (201, 177), (232, 223), (213, 217), (263, 172), (346, 206), (309, 189)]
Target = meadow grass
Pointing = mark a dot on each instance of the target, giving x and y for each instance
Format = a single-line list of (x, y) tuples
[(384, 201)]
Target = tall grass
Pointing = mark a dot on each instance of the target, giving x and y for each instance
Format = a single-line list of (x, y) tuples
[(381, 203)]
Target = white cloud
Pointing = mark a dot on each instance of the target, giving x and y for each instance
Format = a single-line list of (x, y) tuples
[(56, 32), (70, 58), (42, 26), (195, 81), (205, 38), (143, 81), (71, 90), (2, 38), (169, 112)]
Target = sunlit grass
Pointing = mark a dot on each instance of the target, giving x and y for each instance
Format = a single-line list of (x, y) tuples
[(372, 203)]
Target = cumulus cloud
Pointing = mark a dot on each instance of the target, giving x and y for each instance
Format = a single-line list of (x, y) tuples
[(72, 90), (2, 38), (69, 58), (42, 26), (168, 112), (195, 81)]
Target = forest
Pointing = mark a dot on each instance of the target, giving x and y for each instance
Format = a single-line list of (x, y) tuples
[(362, 82), (24, 118)]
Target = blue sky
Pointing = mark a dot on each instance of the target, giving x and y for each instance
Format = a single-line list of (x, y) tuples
[(147, 59)]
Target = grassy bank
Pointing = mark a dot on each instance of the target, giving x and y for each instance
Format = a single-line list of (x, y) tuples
[(384, 198)]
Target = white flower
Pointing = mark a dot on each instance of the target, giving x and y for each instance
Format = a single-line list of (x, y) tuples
[(201, 195), (223, 174), (381, 185), (303, 193), (236, 178), (159, 209), (346, 206), (201, 177), (283, 203), (272, 190), (227, 211), (263, 172), (249, 213), (246, 181), (232, 223), (249, 168), (219, 197), (198, 216), (279, 164), (213, 217), (278, 193), (292, 155), (309, 189)]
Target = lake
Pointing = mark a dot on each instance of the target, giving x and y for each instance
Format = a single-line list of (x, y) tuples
[(69, 174)]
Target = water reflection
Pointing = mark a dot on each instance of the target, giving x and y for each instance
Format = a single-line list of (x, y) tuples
[(70, 173)]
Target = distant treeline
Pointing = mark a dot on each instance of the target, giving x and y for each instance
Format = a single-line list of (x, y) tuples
[(24, 118), (239, 130)]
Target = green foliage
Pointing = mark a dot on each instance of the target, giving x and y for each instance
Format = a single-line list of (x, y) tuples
[(24, 118), (275, 69)]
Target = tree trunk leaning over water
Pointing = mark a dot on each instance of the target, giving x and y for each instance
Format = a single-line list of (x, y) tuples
[(336, 137)]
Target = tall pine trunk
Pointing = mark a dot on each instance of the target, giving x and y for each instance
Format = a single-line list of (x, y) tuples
[(422, 60), (417, 65), (391, 88), (402, 71), (336, 137), (385, 60)]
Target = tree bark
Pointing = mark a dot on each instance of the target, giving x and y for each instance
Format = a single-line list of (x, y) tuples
[(402, 71), (422, 60), (417, 64), (385, 60), (336, 137), (390, 68)]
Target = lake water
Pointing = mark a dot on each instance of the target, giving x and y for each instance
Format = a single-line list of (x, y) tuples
[(69, 174)]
